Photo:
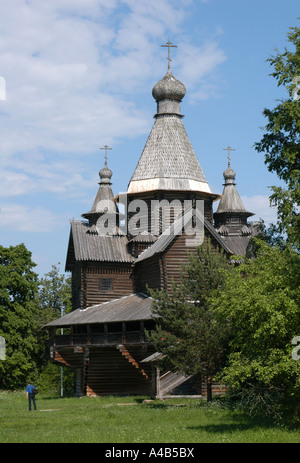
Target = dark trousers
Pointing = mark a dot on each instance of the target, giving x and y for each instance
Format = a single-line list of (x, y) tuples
[(31, 397)]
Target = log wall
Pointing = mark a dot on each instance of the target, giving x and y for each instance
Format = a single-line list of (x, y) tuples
[(110, 372), (87, 283), (151, 219)]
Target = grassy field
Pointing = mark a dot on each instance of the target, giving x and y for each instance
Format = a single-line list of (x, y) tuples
[(130, 420)]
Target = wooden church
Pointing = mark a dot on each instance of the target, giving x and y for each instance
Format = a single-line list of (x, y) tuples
[(168, 209)]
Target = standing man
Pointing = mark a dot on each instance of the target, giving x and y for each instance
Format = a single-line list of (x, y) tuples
[(30, 395)]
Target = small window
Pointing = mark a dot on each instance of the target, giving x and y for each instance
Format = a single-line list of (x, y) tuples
[(105, 284)]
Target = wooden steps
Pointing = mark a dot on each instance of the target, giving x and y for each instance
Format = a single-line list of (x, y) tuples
[(121, 348), (110, 372), (170, 381)]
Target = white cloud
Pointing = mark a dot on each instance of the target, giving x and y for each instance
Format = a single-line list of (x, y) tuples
[(73, 70), (260, 206), (26, 219), (198, 65)]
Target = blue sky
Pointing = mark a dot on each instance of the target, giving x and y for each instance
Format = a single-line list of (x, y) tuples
[(79, 74)]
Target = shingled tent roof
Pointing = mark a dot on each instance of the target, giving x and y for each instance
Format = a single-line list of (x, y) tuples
[(231, 201), (168, 161)]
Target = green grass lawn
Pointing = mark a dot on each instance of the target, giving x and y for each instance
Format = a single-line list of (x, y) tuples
[(130, 420)]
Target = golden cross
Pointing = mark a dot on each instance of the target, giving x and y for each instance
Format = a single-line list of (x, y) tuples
[(228, 149), (105, 157), (169, 45)]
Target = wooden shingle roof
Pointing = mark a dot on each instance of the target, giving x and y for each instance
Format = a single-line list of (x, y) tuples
[(177, 227), (134, 307), (87, 246), (230, 200), (168, 161)]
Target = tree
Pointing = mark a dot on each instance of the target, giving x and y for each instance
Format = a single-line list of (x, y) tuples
[(53, 298), (187, 332), (281, 142), (18, 286), (54, 295), (260, 301)]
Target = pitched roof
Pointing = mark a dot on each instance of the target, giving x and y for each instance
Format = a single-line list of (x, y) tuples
[(237, 243), (134, 307), (166, 238), (87, 246), (143, 237)]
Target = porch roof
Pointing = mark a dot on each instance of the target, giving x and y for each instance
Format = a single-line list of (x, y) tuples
[(134, 307)]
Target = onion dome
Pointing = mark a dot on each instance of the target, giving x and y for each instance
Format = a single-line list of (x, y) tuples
[(168, 93), (168, 88), (229, 176), (105, 175)]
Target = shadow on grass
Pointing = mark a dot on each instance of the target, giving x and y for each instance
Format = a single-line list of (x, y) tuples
[(104, 398), (237, 423), (55, 397), (223, 428)]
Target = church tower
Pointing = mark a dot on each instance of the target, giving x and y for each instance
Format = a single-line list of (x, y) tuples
[(168, 168), (103, 218), (231, 215)]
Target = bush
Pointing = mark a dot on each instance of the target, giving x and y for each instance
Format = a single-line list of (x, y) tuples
[(49, 380)]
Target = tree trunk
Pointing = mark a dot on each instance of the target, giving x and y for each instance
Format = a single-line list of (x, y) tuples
[(209, 389)]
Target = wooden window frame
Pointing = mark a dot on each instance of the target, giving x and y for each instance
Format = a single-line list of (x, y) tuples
[(101, 286)]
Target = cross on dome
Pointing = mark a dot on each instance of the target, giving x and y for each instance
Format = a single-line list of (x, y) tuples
[(169, 45), (228, 149), (106, 147)]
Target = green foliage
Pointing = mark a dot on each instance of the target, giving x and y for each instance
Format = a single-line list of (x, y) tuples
[(49, 380), (260, 300), (281, 142), (187, 332), (26, 305), (54, 295), (18, 287)]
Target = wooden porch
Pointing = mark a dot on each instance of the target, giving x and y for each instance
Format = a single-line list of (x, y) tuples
[(98, 339)]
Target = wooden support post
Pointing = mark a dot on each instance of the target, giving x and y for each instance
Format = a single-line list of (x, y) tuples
[(123, 332), (142, 331), (155, 382), (86, 362), (88, 332)]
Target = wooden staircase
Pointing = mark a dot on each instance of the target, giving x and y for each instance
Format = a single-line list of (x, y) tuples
[(175, 384), (121, 348), (169, 381)]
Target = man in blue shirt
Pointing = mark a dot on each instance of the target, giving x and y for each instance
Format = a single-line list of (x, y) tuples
[(30, 396)]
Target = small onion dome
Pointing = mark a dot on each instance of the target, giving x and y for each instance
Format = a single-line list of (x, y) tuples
[(105, 175), (229, 174), (168, 88)]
